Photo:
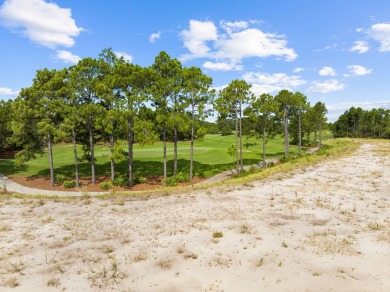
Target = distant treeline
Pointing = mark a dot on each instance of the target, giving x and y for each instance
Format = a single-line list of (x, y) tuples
[(359, 123)]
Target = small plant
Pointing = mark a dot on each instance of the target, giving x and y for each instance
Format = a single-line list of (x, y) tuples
[(68, 184), (284, 244), (169, 181), (60, 178), (105, 186), (53, 282), (217, 234), (182, 177), (140, 180), (120, 181)]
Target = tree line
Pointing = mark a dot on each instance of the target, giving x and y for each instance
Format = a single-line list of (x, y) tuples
[(359, 123), (108, 99)]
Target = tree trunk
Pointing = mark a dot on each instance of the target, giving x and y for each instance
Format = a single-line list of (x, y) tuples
[(112, 158), (175, 150), (50, 160), (76, 161), (286, 142), (92, 150), (192, 140), (237, 160), (241, 164), (320, 135), (130, 141), (300, 133), (264, 144), (165, 151)]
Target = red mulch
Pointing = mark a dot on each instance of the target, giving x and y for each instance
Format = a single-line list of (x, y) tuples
[(38, 182)]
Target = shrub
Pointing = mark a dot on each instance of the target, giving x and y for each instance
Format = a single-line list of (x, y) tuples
[(169, 181), (60, 178), (217, 234), (121, 181), (105, 186), (140, 180), (69, 184), (182, 177)]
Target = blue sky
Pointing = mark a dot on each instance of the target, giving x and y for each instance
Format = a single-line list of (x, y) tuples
[(334, 51)]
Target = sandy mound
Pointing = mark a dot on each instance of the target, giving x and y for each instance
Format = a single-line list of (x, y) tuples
[(324, 228)]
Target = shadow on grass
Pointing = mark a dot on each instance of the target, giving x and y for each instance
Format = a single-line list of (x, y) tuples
[(7, 167), (145, 168)]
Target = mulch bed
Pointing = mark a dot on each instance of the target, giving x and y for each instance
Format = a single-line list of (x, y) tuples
[(38, 182)]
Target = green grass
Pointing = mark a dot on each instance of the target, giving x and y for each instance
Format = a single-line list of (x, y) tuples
[(210, 158)]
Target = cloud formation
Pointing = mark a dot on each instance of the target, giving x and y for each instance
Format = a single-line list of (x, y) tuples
[(44, 23), (222, 66), (381, 33), (232, 42), (327, 71), (67, 57), (154, 36), (326, 86), (359, 70), (125, 56), (4, 91), (267, 83), (360, 47)]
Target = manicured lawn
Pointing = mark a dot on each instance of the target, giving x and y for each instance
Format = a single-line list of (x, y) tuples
[(210, 157)]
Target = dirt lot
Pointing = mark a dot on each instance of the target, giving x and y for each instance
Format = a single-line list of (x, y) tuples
[(323, 228)]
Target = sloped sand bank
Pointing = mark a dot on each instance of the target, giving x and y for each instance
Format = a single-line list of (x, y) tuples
[(324, 228)]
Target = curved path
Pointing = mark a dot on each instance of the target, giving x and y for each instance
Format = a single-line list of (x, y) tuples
[(9, 185)]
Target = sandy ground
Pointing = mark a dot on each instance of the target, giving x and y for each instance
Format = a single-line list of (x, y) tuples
[(323, 228)]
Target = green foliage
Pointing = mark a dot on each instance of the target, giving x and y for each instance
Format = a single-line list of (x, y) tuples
[(169, 181), (68, 184), (218, 234), (182, 177), (105, 186), (121, 181), (140, 180), (60, 178)]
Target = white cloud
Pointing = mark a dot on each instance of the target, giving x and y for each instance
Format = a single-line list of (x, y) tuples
[(366, 105), (360, 47), (222, 66), (298, 69), (67, 57), (154, 36), (239, 42), (4, 91), (266, 83), (125, 56), (230, 27), (327, 71), (326, 86), (195, 39), (44, 23), (359, 70), (381, 32), (253, 43)]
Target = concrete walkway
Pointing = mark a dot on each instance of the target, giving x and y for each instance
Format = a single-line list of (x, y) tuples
[(10, 186)]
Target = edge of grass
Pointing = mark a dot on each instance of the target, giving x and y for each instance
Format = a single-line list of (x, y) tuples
[(332, 149)]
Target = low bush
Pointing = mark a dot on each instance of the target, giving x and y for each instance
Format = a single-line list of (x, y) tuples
[(121, 181), (169, 181), (68, 184), (60, 178), (182, 177), (140, 180), (105, 186)]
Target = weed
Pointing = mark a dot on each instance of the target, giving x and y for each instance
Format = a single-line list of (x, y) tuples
[(53, 282), (12, 282), (165, 264), (284, 244), (105, 186), (68, 184), (217, 234), (17, 267)]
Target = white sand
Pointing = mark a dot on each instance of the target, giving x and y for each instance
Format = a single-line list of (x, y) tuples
[(324, 228)]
